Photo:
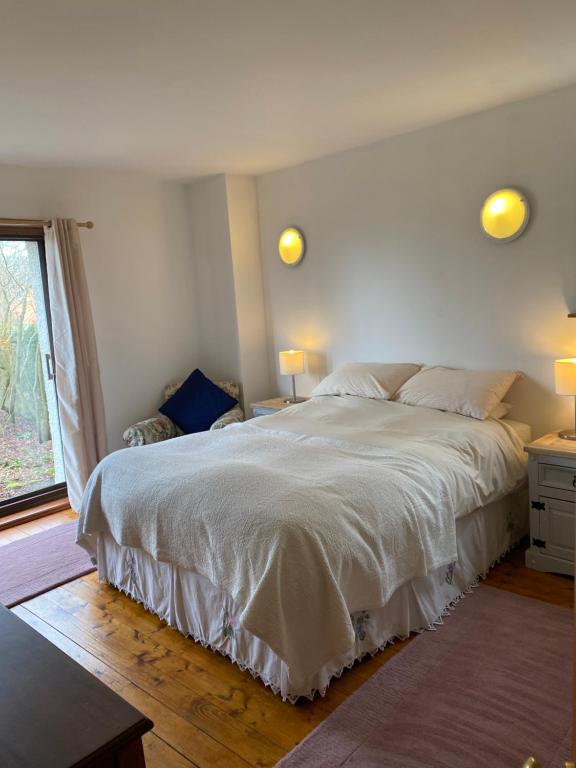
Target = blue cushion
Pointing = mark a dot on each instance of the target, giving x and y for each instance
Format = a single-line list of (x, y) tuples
[(197, 404)]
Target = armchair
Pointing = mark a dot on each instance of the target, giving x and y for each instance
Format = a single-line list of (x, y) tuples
[(160, 427)]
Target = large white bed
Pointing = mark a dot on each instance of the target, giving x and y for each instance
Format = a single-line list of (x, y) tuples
[(299, 542)]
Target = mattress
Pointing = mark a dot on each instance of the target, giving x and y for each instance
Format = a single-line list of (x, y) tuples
[(524, 431)]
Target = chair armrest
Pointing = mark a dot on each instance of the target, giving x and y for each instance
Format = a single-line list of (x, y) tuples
[(233, 416), (149, 431)]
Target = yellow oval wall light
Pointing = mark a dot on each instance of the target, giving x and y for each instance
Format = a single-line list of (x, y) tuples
[(505, 214), (291, 246)]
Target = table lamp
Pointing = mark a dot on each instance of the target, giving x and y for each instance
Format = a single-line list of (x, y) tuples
[(291, 364), (565, 376)]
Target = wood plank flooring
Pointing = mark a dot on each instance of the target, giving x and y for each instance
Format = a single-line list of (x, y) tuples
[(206, 712), (20, 531)]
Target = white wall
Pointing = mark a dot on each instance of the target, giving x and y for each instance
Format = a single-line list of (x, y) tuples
[(218, 354), (397, 268), (226, 252), (139, 271), (249, 291)]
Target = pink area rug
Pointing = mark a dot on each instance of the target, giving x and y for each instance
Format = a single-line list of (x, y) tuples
[(41, 562), (490, 687)]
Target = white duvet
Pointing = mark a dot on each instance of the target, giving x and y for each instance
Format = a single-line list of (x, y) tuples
[(307, 516)]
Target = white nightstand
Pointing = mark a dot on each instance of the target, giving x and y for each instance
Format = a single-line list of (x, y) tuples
[(552, 478), (267, 407)]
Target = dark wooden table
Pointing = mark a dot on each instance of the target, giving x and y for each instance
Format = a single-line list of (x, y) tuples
[(55, 714)]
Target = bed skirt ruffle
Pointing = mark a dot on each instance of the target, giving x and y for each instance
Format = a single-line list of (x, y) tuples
[(198, 609)]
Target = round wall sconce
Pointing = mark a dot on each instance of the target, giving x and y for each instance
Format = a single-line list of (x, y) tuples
[(505, 215), (291, 246)]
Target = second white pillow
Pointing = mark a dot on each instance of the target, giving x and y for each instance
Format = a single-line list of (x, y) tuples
[(373, 380), (471, 393)]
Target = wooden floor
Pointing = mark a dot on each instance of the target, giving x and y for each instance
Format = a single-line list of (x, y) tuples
[(206, 712), (22, 530)]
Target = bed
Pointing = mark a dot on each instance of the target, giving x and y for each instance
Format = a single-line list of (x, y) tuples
[(297, 543)]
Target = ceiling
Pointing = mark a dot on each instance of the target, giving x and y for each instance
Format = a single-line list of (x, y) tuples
[(184, 88)]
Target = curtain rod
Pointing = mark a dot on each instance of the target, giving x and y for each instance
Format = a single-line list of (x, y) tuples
[(39, 223)]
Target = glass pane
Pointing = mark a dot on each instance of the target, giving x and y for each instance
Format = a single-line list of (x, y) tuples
[(30, 447)]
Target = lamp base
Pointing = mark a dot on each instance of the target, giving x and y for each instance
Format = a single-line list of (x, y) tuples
[(293, 400), (567, 434)]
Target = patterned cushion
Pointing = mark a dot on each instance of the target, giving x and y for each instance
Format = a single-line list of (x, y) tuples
[(233, 416), (149, 431)]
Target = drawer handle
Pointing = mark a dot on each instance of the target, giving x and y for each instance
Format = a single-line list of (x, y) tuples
[(574, 482)]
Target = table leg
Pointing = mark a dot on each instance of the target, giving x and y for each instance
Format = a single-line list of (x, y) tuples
[(131, 756)]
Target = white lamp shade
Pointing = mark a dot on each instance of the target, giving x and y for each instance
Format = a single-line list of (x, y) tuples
[(291, 362), (565, 376)]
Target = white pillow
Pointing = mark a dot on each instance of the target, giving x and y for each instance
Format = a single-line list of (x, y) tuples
[(471, 393), (501, 410), (375, 380)]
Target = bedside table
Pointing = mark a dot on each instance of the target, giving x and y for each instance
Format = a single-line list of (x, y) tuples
[(552, 480), (268, 407)]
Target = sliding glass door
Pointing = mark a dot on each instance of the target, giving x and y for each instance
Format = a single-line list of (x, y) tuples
[(31, 466)]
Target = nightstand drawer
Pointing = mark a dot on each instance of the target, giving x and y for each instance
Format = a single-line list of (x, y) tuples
[(556, 476)]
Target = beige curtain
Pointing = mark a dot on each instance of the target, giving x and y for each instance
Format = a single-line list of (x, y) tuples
[(80, 402)]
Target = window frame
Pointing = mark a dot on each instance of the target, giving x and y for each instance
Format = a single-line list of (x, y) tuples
[(58, 490)]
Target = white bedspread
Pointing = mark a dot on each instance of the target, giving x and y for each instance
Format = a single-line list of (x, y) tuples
[(309, 515)]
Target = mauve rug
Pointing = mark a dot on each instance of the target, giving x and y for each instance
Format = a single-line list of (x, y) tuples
[(41, 562), (490, 687)]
